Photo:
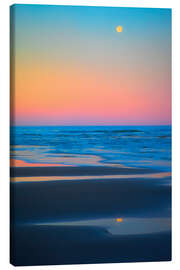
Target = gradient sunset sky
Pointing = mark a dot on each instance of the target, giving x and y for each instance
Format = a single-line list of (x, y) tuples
[(71, 67)]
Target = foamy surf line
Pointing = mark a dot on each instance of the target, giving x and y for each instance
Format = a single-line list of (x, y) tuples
[(91, 177)]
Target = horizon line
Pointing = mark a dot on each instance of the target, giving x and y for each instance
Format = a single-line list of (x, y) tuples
[(88, 125)]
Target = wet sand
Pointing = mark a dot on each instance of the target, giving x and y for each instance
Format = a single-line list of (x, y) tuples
[(76, 171), (77, 245), (76, 200)]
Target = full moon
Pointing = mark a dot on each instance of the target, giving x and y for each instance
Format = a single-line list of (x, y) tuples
[(119, 29)]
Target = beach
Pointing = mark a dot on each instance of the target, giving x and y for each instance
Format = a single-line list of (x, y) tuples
[(75, 221), (89, 207)]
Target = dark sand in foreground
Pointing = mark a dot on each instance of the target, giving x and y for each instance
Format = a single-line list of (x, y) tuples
[(80, 200)]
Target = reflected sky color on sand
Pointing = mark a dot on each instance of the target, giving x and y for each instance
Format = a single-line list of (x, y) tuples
[(95, 177), (127, 226)]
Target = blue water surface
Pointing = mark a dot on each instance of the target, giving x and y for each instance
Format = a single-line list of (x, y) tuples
[(134, 146)]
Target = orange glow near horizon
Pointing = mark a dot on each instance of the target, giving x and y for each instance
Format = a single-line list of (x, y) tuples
[(53, 93)]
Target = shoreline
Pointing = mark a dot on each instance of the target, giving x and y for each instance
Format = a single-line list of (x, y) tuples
[(78, 171), (165, 175)]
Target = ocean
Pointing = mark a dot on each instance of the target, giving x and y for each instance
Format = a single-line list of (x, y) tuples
[(136, 146)]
